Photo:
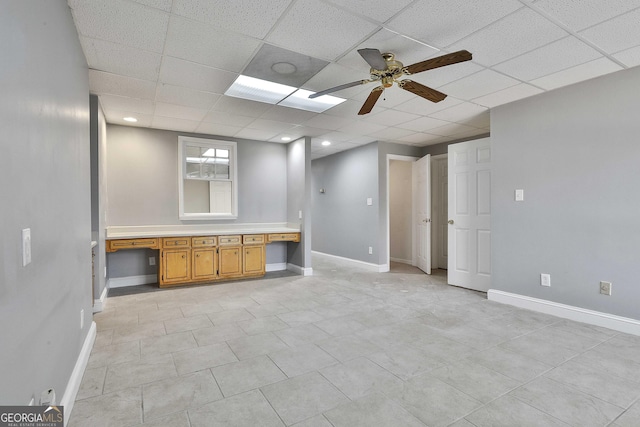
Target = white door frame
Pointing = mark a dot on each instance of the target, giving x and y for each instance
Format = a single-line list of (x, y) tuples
[(413, 214)]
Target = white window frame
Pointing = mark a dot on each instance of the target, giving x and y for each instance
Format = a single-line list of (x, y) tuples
[(183, 141)]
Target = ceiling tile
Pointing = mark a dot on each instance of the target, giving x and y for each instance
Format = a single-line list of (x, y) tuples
[(361, 127), (217, 129), (505, 96), (158, 4), (334, 75), (424, 107), (441, 76), (184, 73), (225, 118), (242, 107), (616, 34), (287, 115), (327, 122), (443, 23), (120, 21), (171, 123), (203, 44), (336, 137), (390, 117), (116, 117), (263, 66), (578, 15), (120, 59), (475, 85), (423, 124), (179, 111), (347, 109), (517, 33), (184, 96), (107, 83), (420, 138), (378, 10), (319, 30), (629, 57), (270, 125), (256, 134), (392, 134), (122, 103), (577, 74), (452, 129), (406, 50), (460, 113), (299, 131), (549, 59), (249, 17)]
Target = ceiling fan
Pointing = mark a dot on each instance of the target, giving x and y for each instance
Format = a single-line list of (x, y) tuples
[(386, 70)]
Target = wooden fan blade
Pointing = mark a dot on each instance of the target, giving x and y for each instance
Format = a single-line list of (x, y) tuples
[(440, 61), (422, 90), (374, 58), (337, 88), (371, 101)]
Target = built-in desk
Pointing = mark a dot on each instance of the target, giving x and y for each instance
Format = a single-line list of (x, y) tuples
[(203, 253)]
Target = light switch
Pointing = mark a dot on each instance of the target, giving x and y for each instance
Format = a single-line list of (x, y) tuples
[(369, 201), (26, 246), (519, 195), (299, 214)]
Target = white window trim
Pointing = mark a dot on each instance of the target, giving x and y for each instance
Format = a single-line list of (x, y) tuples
[(233, 172)]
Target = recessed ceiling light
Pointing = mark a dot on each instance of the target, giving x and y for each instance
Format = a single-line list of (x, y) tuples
[(286, 138), (284, 68), (130, 119), (300, 99), (326, 143), (258, 90)]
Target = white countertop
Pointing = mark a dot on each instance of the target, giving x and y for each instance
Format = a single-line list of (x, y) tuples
[(140, 231)]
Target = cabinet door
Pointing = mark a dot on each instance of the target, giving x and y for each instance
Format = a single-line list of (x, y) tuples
[(176, 265), (254, 262), (230, 261), (204, 263)]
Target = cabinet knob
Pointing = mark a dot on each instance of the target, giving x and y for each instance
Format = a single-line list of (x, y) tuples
[(197, 256), (183, 256)]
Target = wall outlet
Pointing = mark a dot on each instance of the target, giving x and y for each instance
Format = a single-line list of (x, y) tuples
[(299, 214), (605, 288), (26, 247), (545, 279), (369, 201), (519, 195), (152, 260), (370, 250), (82, 318), (105, 271)]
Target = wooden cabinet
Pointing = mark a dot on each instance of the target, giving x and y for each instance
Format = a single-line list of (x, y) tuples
[(230, 261), (196, 259)]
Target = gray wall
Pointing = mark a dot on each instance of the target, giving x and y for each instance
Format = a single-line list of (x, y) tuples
[(299, 199), (142, 183), (45, 186), (575, 152), (400, 210), (98, 140), (343, 224)]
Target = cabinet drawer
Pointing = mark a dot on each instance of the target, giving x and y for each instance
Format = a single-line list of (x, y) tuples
[(249, 239), (115, 245), (283, 237), (176, 242), (202, 241), (229, 240)]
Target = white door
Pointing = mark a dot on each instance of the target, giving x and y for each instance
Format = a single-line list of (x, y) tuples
[(422, 174), (469, 239)]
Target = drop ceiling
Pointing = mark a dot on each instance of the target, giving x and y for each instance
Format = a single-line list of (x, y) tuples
[(169, 62)]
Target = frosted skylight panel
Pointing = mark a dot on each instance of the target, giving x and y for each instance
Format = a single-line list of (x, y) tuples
[(300, 99), (259, 90)]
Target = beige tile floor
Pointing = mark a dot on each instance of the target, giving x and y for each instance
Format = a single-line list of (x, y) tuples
[(350, 348)]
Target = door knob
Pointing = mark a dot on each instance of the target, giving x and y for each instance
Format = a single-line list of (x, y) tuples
[(450, 221), (426, 220)]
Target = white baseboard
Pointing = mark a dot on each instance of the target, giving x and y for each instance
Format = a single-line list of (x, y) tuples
[(380, 268), (308, 271), (611, 321), (98, 304), (280, 266), (121, 282), (71, 391)]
